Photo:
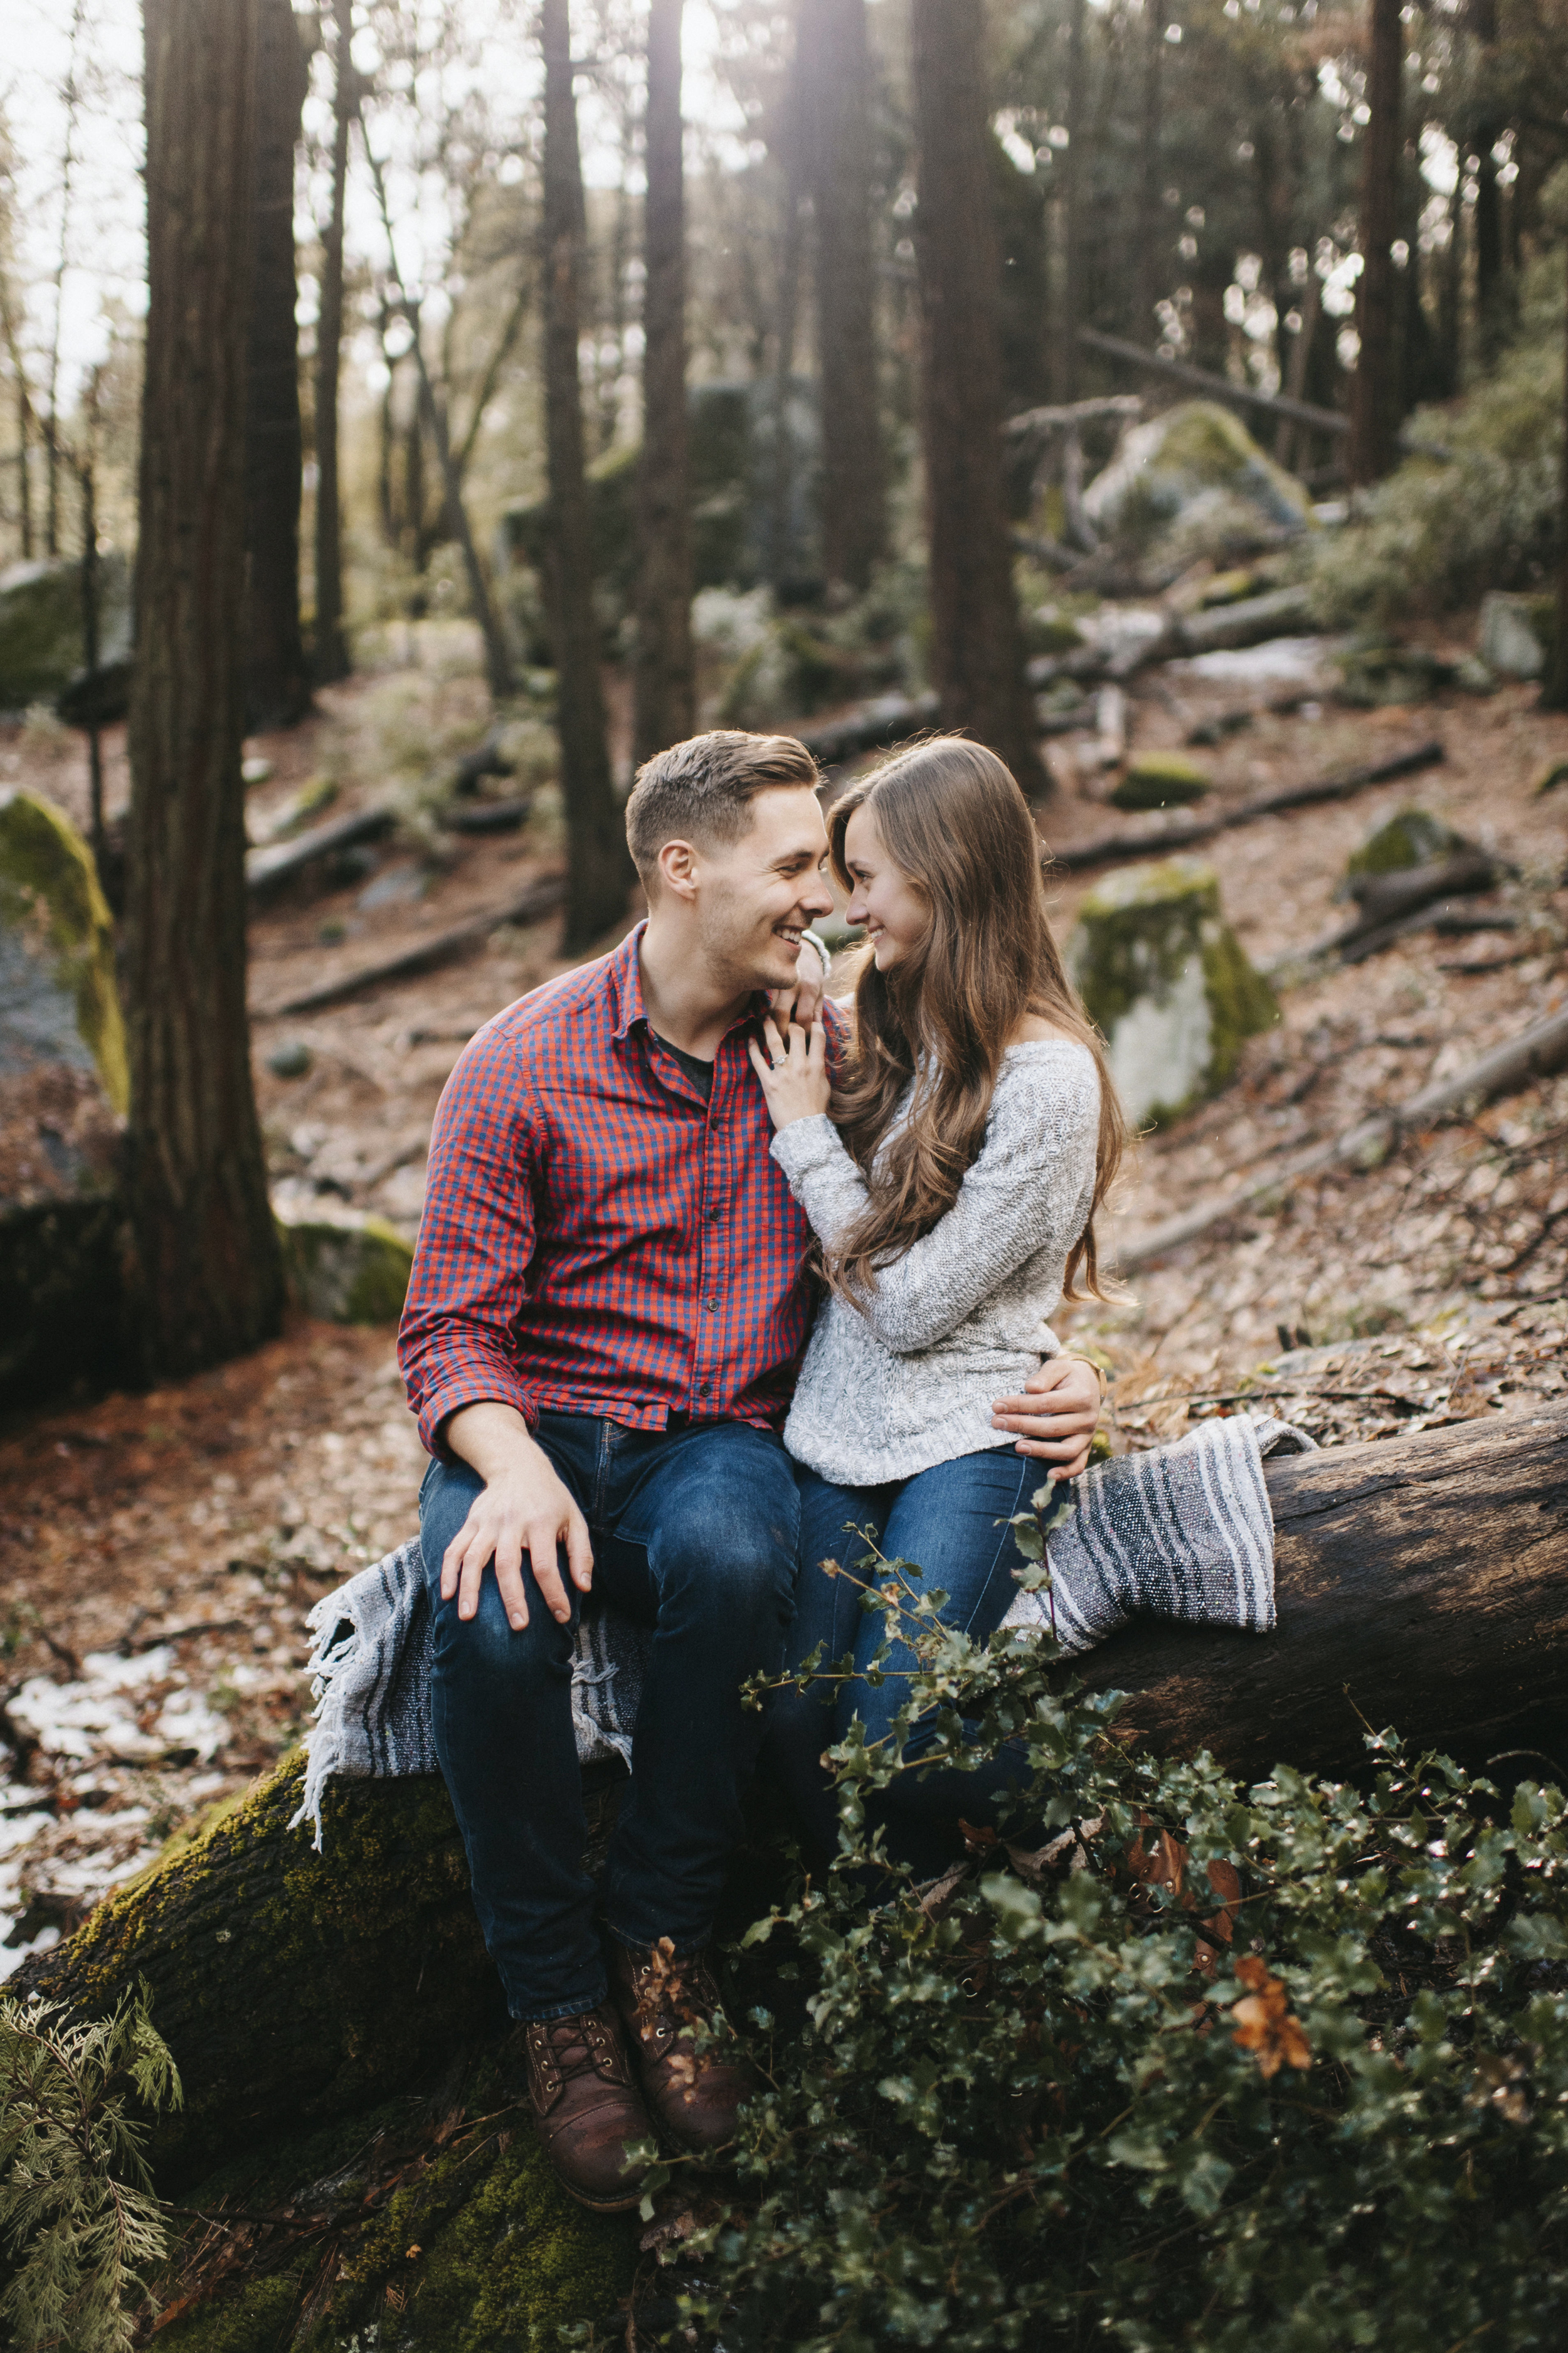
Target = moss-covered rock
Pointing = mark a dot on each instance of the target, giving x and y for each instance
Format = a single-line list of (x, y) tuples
[(41, 647), (1169, 983), (63, 1089), (1413, 836), (348, 1270), (1382, 673), (58, 997), (1160, 780), (1193, 483)]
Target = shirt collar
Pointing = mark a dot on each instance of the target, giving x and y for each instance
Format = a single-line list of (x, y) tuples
[(626, 996)]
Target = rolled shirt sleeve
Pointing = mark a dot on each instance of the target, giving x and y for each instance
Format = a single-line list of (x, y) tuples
[(457, 1343)]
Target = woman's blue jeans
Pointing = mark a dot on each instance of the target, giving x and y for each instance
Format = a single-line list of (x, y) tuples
[(694, 1531), (950, 1521)]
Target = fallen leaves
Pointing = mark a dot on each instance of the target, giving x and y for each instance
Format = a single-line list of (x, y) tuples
[(1264, 2023)]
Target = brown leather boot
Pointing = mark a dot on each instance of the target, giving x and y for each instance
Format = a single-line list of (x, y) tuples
[(585, 2105), (694, 2095)]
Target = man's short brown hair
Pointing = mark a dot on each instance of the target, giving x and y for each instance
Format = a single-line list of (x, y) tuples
[(702, 790)]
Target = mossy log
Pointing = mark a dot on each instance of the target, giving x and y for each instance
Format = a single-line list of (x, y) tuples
[(1423, 1583)]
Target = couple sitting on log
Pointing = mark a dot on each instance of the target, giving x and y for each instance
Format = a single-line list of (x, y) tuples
[(711, 1272)]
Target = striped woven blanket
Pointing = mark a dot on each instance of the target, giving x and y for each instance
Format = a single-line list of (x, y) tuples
[(1189, 1523)]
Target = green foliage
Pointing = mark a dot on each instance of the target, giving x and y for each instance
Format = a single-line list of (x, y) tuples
[(1485, 515), (1180, 2066), (77, 2216)]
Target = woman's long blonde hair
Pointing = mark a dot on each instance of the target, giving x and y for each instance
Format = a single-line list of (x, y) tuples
[(954, 821)]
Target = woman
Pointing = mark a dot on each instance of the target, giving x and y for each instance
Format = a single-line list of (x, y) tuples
[(974, 1134)]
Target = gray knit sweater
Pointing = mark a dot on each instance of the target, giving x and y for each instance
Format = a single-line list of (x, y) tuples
[(963, 1316)]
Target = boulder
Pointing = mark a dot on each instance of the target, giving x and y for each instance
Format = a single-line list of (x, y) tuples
[(63, 1093), (734, 440), (41, 650), (1167, 979), (1517, 633), (1413, 836), (1160, 780), (1193, 482), (348, 1269), (1377, 674)]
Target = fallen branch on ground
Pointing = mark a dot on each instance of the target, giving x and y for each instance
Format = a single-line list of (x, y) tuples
[(264, 869), (886, 720), (1111, 849), (1535, 1053), (541, 899)]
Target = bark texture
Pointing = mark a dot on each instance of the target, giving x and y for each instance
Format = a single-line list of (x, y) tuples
[(977, 643), (332, 648), (208, 1278), (1374, 423), (599, 864), (664, 682), (1554, 688), (1423, 1583), (278, 688), (831, 35)]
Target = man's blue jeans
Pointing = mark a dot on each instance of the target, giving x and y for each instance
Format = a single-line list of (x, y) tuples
[(950, 1521), (694, 1531)]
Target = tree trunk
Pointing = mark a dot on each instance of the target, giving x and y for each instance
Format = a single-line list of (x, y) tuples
[(331, 647), (1423, 1583), (1373, 445), (977, 644), (599, 864), (1071, 365), (278, 688), (1153, 195), (832, 37), (1422, 1580), (664, 679), (1554, 688), (208, 1277)]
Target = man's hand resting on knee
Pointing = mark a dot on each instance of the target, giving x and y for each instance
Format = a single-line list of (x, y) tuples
[(1056, 1415), (525, 1508)]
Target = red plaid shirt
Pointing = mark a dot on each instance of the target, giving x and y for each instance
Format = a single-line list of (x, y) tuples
[(596, 1238)]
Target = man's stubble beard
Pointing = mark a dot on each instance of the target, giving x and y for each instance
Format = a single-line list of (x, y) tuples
[(736, 949)]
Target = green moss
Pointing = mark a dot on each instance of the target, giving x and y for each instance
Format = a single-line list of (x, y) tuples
[(482, 2252), (1241, 1002), (348, 1274), (292, 1986), (1165, 978), (48, 887), (1229, 588), (1553, 774), (1376, 677), (1411, 838), (1161, 780)]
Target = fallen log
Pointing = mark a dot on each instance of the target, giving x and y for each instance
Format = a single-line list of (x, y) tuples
[(1421, 1583), (1116, 848), (872, 727), (265, 868), (1427, 1573), (1218, 388), (1536, 1053), (541, 899), (1250, 621)]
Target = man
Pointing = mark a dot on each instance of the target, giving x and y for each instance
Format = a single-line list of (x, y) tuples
[(607, 1306)]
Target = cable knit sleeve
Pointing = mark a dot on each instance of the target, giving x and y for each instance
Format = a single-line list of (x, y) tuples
[(1024, 1190)]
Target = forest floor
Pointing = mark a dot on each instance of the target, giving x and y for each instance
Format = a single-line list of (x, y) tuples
[(158, 1553)]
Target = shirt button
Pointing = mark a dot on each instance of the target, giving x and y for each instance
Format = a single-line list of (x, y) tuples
[(703, 1387), (712, 1303)]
